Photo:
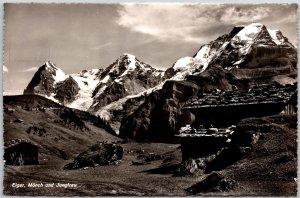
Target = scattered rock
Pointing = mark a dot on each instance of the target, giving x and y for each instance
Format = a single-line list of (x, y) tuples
[(136, 151), (40, 131), (214, 182), (224, 158), (151, 157), (189, 167), (143, 158), (9, 110), (137, 163), (18, 120)]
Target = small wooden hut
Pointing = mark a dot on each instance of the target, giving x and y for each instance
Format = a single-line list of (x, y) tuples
[(20, 152)]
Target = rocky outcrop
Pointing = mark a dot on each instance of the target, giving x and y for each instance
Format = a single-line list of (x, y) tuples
[(156, 118), (186, 118), (128, 107), (188, 167), (216, 77), (108, 95), (214, 182), (98, 154)]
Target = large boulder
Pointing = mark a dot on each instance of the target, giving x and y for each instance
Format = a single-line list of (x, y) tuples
[(98, 154)]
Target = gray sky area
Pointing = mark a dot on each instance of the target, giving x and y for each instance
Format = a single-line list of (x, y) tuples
[(87, 36)]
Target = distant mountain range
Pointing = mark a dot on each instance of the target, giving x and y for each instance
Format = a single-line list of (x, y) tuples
[(93, 89), (145, 102)]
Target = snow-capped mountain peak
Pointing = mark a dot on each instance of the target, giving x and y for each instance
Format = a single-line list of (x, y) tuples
[(231, 50), (248, 33), (50, 65), (130, 56), (57, 74), (126, 76), (131, 65), (126, 62)]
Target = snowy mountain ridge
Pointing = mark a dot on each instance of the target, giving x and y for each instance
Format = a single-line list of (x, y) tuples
[(92, 89), (241, 38), (126, 76)]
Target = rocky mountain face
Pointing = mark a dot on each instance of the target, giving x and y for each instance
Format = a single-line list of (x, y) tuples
[(248, 54), (66, 90), (45, 80), (155, 119)]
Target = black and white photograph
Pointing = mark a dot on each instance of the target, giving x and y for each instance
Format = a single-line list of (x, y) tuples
[(150, 99)]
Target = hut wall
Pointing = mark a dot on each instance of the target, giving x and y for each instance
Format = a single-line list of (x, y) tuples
[(21, 154), (223, 116), (197, 147)]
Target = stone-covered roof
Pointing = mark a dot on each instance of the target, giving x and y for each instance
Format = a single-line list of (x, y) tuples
[(263, 93), (189, 131), (15, 142)]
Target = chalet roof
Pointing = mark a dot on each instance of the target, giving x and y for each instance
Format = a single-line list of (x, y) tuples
[(263, 93), (15, 142), (189, 131)]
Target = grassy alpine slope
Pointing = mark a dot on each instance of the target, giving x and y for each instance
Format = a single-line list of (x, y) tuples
[(268, 169)]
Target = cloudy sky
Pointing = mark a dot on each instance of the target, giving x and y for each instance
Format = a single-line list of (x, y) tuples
[(86, 36)]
